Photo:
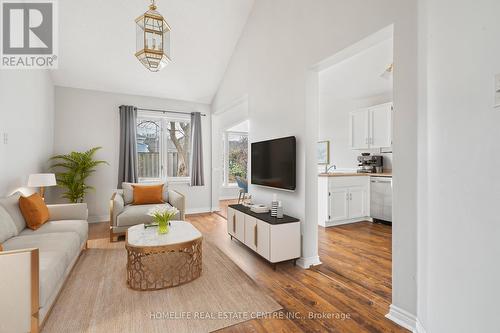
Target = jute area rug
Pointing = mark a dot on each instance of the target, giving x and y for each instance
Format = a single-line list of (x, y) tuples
[(97, 299)]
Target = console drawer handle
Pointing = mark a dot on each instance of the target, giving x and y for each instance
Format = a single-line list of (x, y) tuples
[(255, 234)]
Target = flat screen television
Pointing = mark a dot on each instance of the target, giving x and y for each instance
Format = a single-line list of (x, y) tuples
[(273, 163)]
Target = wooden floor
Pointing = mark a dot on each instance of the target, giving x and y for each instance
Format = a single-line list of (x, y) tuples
[(349, 292)]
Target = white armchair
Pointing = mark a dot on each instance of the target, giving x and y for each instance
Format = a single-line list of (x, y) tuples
[(123, 214)]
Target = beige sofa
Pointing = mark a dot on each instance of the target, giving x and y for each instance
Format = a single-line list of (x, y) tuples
[(34, 264), (123, 214)]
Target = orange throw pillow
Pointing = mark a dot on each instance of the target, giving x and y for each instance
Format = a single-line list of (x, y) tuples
[(152, 194), (34, 210)]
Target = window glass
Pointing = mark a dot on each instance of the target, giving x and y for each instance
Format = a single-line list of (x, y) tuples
[(148, 147), (178, 148), (237, 156), (163, 147)]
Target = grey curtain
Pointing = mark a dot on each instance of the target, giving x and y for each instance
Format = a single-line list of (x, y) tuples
[(127, 168), (197, 177)]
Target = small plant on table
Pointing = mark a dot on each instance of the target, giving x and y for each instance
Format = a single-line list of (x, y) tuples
[(162, 216)]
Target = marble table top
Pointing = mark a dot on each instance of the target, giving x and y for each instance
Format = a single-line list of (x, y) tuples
[(180, 232)]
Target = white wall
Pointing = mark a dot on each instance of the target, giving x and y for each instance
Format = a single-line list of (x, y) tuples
[(334, 127), (355, 81), (459, 242), (87, 118), (224, 118), (27, 117), (281, 41)]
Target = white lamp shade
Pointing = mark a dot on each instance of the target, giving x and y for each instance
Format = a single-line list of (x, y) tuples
[(42, 179)]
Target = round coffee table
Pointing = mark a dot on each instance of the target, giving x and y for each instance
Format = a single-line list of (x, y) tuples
[(163, 261)]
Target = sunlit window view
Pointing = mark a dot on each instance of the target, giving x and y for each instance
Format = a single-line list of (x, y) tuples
[(163, 148), (236, 157), (178, 148), (148, 147)]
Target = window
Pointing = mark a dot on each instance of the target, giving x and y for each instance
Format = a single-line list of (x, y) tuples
[(235, 157), (178, 148), (163, 147), (148, 148)]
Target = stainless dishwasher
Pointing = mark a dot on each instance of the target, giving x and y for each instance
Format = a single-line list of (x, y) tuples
[(381, 199)]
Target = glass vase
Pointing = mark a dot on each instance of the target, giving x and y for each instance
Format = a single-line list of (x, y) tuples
[(163, 226)]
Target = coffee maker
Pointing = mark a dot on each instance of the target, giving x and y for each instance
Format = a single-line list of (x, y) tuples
[(368, 163)]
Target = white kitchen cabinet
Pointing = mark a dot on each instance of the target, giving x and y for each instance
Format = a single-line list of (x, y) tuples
[(357, 202), (343, 200), (274, 239), (359, 129), (371, 128), (380, 126), (338, 204)]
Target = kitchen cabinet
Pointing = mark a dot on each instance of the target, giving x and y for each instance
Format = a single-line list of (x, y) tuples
[(338, 209), (357, 202), (343, 200), (359, 129), (371, 128)]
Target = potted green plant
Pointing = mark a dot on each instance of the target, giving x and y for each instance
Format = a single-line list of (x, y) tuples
[(162, 216), (75, 168)]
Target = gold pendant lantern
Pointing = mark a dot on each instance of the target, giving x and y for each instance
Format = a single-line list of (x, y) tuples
[(153, 39)]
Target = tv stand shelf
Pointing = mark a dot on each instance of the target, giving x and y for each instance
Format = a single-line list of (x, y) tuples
[(276, 240)]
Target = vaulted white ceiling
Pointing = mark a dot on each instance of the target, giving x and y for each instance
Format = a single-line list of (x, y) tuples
[(97, 46), (359, 76)]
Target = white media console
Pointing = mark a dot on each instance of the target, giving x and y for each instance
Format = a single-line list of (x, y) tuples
[(274, 239)]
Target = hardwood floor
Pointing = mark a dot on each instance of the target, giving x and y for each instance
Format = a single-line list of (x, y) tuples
[(349, 292)]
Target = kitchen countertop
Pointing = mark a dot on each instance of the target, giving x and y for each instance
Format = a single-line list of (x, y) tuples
[(355, 174)]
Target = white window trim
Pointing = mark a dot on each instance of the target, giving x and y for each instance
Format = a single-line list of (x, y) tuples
[(178, 180), (165, 117), (225, 162)]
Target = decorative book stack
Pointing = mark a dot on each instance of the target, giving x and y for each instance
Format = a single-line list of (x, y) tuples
[(274, 206)]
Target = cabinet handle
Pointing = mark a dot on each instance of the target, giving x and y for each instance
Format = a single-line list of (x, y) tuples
[(350, 196), (347, 196), (234, 223), (255, 235)]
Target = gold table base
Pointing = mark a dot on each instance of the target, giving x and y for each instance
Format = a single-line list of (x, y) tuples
[(160, 267)]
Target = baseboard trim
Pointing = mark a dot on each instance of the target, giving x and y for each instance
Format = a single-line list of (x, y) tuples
[(198, 210), (229, 197), (403, 318), (306, 263), (420, 327), (328, 224), (98, 218)]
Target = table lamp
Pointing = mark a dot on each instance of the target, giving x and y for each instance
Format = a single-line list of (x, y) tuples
[(42, 180)]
